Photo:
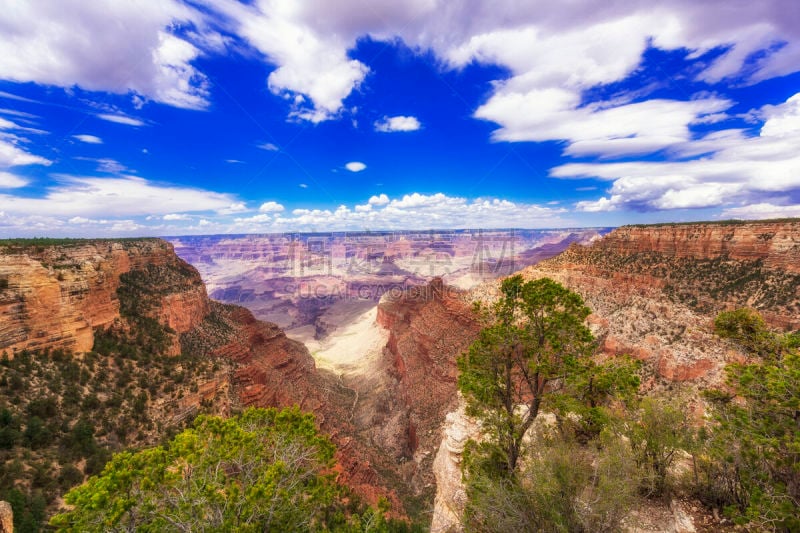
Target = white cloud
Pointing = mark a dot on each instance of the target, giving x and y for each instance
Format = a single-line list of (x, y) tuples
[(105, 164), (355, 166), (11, 181), (234, 161), (236, 207), (104, 45), (121, 119), (268, 147), (378, 200), (88, 221), (11, 154), (271, 207), (313, 69), (90, 139), (398, 123), (125, 196), (177, 216), (125, 226), (734, 168), (761, 211), (303, 186)]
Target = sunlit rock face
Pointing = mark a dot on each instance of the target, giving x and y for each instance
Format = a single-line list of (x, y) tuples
[(56, 296), (655, 290)]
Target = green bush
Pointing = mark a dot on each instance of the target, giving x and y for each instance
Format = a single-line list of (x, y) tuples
[(749, 463), (563, 486), (264, 470)]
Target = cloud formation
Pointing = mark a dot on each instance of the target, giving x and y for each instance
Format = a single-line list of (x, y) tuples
[(271, 207), (355, 166), (398, 123), (89, 139), (124, 196), (735, 168), (121, 119), (56, 42), (554, 52), (97, 207)]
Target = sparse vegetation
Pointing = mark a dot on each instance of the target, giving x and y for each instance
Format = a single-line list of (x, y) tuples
[(62, 414), (750, 461), (535, 353)]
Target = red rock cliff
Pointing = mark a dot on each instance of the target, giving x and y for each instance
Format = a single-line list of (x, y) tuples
[(654, 290), (55, 296), (428, 327), (775, 244)]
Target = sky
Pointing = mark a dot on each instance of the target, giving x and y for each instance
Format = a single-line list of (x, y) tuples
[(172, 117)]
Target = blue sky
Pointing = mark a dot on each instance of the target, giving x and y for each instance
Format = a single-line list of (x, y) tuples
[(166, 117)]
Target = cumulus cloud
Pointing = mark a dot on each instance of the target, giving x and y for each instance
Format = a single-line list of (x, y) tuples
[(90, 139), (554, 52), (236, 207), (411, 211), (12, 154), (398, 123), (177, 216), (380, 199), (271, 207), (761, 211), (313, 70), (355, 166), (131, 48), (733, 168)]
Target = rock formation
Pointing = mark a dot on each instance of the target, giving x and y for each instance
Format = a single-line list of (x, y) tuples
[(59, 296), (6, 518), (451, 496), (654, 290), (428, 328), (56, 296)]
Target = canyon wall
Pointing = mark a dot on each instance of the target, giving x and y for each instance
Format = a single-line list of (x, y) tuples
[(654, 292), (60, 296), (56, 296)]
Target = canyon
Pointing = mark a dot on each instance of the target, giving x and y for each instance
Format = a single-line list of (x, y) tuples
[(377, 368)]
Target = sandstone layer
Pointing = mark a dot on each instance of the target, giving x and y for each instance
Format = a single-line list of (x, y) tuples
[(56, 296), (654, 290)]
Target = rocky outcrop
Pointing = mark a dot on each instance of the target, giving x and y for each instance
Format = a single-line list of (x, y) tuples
[(654, 290), (451, 496), (6, 518), (429, 327), (775, 244), (56, 296), (706, 266), (59, 296)]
